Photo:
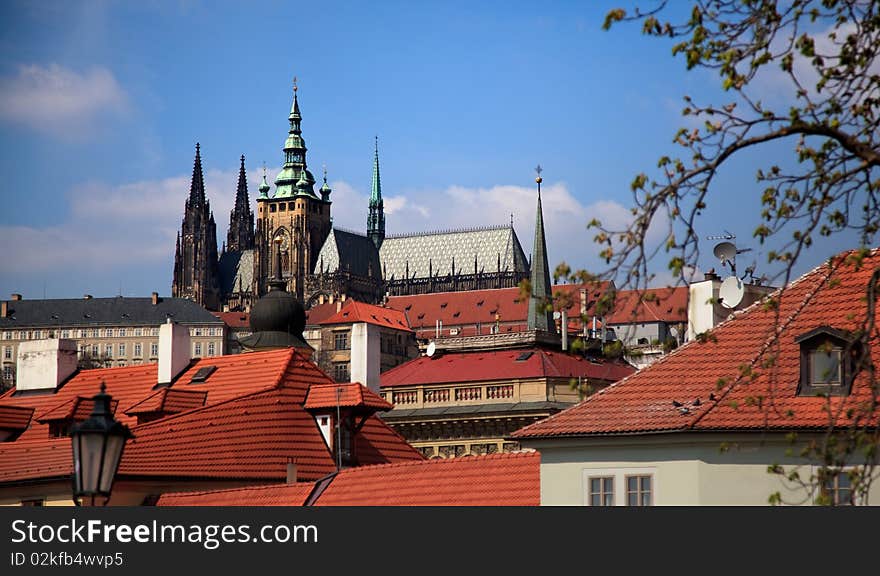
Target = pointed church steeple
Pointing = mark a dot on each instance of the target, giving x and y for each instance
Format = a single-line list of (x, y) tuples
[(376, 218), (241, 219), (294, 170), (197, 184), (540, 318)]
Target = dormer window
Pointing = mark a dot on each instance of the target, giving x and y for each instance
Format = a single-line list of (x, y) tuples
[(826, 362)]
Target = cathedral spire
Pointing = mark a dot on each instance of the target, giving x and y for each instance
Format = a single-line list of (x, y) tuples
[(376, 218), (197, 184), (294, 169), (241, 219), (540, 317)]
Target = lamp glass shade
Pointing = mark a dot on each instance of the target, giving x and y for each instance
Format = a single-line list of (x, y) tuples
[(112, 456)]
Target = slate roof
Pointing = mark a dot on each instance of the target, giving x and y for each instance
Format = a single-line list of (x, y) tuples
[(490, 480), (441, 248), (349, 252), (353, 311), (451, 367), (702, 376), (236, 269), (116, 311)]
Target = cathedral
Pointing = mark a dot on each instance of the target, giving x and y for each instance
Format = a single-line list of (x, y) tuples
[(320, 262)]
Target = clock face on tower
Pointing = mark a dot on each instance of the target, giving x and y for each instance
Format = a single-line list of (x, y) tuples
[(281, 237)]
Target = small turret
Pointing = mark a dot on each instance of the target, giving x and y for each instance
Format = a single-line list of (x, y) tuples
[(325, 189)]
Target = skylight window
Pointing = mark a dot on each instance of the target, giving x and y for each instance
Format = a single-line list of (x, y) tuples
[(202, 374)]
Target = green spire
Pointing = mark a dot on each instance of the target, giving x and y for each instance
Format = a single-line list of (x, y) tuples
[(376, 188), (376, 218), (540, 318), (325, 189), (264, 186), (294, 168)]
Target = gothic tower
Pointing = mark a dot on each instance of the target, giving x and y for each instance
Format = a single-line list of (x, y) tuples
[(241, 218), (195, 257), (376, 218), (540, 317), (294, 216)]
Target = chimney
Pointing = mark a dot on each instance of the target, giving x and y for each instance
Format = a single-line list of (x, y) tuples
[(366, 355), (565, 330), (154, 298), (16, 297), (338, 305), (45, 364), (174, 351), (4, 309), (291, 471), (87, 296)]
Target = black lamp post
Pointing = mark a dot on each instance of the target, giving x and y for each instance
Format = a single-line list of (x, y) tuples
[(97, 450)]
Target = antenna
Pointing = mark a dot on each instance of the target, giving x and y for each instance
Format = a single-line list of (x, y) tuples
[(432, 348), (731, 292)]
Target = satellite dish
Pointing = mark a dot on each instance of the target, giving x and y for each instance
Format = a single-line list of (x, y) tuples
[(731, 292), (725, 251), (432, 347)]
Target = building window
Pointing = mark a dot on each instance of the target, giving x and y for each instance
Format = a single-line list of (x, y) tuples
[(827, 360), (8, 372), (197, 349), (122, 332), (138, 331), (340, 341), (340, 371), (211, 349), (37, 334), (837, 490), (15, 334), (108, 350), (7, 352), (95, 350), (137, 350), (108, 333), (602, 491), (638, 491), (65, 333), (82, 333), (122, 350), (211, 332), (154, 332), (271, 207), (95, 333), (154, 349)]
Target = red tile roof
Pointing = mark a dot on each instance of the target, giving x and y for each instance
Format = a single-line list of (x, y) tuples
[(78, 409), (650, 305), (707, 371), (468, 308), (235, 319), (253, 422), (501, 365), (320, 312), (15, 417), (351, 395), (494, 480), (354, 311), (169, 401), (272, 495)]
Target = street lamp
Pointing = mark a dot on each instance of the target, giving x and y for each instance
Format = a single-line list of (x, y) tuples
[(97, 450)]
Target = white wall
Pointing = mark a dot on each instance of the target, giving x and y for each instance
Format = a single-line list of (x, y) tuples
[(366, 355), (44, 364), (688, 469)]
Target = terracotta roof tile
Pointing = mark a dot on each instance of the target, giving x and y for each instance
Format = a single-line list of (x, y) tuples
[(169, 401), (272, 495), (77, 409), (501, 365), (235, 319), (354, 311), (651, 305), (15, 417), (494, 480), (35, 459), (351, 395), (701, 377)]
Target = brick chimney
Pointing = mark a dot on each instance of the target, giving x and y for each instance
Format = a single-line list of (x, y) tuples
[(174, 351), (154, 298), (44, 364), (4, 309), (291, 471)]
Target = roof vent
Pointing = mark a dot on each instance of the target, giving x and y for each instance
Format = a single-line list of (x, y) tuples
[(202, 374), (525, 356)]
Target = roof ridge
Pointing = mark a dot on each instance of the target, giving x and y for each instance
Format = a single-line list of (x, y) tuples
[(250, 488), (488, 228)]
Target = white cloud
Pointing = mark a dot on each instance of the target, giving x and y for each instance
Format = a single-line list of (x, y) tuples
[(60, 100)]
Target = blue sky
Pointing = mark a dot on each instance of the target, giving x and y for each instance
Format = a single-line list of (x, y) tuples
[(101, 104)]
